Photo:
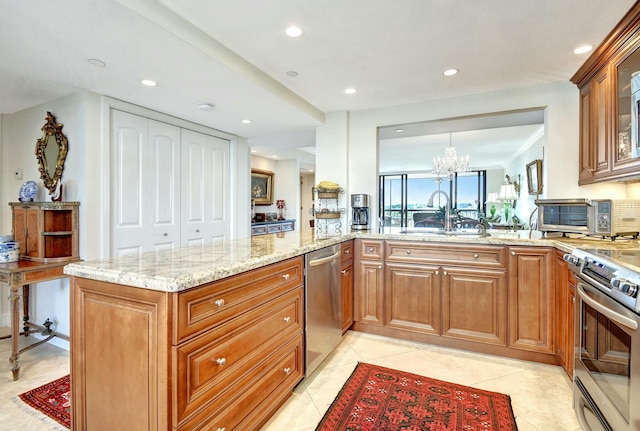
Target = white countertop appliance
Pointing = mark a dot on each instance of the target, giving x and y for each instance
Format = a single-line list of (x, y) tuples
[(607, 338)]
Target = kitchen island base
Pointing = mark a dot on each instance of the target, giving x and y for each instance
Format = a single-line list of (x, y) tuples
[(224, 355)]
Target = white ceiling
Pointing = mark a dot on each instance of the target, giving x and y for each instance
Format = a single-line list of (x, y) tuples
[(233, 54)]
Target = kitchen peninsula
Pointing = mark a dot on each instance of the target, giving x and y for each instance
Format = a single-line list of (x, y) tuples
[(212, 337)]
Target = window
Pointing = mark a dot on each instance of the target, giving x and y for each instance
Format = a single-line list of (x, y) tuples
[(408, 200)]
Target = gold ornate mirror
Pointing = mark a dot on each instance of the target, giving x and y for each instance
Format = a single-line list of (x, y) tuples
[(51, 151)]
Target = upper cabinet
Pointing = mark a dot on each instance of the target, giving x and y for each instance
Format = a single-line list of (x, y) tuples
[(604, 80)]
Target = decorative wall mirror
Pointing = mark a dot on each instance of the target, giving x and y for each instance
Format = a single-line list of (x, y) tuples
[(51, 151)]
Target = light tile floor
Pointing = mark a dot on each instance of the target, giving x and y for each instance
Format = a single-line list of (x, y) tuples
[(540, 394)]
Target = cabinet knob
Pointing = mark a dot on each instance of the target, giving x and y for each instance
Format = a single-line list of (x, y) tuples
[(197, 230), (287, 319), (287, 371), (379, 266), (444, 272), (437, 272), (221, 429), (513, 253), (475, 256), (219, 302), (344, 271), (285, 276), (347, 251), (370, 249), (221, 361), (408, 251), (165, 234)]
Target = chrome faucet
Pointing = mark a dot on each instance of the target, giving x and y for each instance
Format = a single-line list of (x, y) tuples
[(447, 208), (530, 222)]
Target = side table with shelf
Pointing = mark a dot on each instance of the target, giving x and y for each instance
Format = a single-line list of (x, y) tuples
[(48, 236)]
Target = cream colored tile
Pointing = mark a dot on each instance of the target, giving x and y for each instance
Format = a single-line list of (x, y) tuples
[(298, 413), (326, 386), (368, 346)]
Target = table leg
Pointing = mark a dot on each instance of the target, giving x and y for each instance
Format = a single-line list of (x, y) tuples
[(25, 309), (14, 298)]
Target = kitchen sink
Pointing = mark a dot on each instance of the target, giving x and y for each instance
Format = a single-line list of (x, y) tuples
[(469, 233)]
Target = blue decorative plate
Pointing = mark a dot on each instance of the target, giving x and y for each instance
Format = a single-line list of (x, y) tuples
[(28, 191)]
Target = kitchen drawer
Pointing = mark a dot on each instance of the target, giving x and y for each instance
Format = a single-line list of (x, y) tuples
[(209, 365), (250, 401), (274, 228), (370, 249), (346, 250), (287, 227), (201, 308), (446, 254)]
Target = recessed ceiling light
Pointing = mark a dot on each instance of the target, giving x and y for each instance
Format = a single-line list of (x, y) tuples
[(148, 83), (246, 121), (294, 31), (254, 151), (205, 106), (583, 49), (450, 72), (274, 157), (292, 73), (399, 130), (97, 63), (350, 90)]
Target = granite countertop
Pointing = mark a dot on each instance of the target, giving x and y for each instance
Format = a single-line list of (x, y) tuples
[(186, 267)]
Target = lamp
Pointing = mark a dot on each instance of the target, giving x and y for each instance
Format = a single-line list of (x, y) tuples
[(445, 167), (508, 196)]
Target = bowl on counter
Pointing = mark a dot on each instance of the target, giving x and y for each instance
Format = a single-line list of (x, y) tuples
[(6, 238), (9, 251)]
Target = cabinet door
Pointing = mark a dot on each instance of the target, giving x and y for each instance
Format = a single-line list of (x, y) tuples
[(531, 299), (412, 297), (602, 121), (346, 283), (586, 136), (368, 292), (26, 228), (205, 184), (474, 305)]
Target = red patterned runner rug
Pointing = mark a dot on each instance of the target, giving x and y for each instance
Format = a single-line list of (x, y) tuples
[(381, 399), (52, 400)]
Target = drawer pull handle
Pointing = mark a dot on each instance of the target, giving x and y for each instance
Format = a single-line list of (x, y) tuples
[(219, 302), (287, 319), (287, 371), (408, 251), (347, 251), (221, 361), (222, 429), (285, 276), (344, 271), (475, 256)]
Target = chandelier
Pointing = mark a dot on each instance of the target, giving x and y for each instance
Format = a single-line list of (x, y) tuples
[(450, 164)]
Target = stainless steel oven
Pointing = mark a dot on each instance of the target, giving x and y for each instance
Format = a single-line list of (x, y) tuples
[(607, 353)]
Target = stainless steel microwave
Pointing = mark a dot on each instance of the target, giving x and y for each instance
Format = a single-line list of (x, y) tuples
[(600, 217)]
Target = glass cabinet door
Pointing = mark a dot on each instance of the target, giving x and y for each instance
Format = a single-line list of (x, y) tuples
[(626, 70)]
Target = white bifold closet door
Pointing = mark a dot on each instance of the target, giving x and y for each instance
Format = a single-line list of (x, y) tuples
[(205, 188), (169, 186)]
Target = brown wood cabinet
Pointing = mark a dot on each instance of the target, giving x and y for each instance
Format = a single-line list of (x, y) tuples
[(565, 313), (47, 231), (224, 355), (369, 282), (531, 299), (346, 283), (604, 81)]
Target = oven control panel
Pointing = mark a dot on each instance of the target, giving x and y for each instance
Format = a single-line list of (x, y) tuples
[(625, 286)]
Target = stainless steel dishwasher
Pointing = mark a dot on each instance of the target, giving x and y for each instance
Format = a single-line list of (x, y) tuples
[(323, 305)]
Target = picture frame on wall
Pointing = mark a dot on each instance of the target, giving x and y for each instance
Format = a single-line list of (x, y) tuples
[(262, 187), (534, 177)]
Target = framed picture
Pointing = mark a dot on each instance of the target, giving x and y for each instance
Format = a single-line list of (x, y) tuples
[(534, 177), (262, 187)]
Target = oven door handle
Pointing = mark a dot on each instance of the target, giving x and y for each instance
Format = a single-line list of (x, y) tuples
[(598, 306)]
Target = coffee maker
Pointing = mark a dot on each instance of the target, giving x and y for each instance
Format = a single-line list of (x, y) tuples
[(360, 212)]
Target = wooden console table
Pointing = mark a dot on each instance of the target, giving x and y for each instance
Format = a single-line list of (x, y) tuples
[(19, 275)]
